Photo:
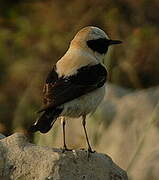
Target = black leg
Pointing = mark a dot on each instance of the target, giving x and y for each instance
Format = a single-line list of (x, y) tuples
[(64, 135), (85, 131), (63, 132)]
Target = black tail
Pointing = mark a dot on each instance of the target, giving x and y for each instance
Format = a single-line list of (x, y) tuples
[(45, 121)]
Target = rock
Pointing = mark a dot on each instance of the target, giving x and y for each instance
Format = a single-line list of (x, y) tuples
[(21, 160)]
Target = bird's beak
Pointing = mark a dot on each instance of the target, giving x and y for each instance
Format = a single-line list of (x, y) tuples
[(112, 42)]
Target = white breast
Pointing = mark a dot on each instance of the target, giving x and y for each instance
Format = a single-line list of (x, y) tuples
[(84, 105)]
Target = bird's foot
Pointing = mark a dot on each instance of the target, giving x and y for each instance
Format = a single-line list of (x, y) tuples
[(64, 149), (89, 152)]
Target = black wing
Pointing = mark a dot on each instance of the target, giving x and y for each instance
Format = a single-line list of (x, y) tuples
[(58, 91)]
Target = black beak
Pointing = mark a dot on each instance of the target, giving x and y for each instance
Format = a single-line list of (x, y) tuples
[(112, 42)]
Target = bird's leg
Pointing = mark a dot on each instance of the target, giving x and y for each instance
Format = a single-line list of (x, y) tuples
[(85, 131), (63, 122)]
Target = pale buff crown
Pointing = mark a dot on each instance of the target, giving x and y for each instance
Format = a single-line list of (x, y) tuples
[(85, 34)]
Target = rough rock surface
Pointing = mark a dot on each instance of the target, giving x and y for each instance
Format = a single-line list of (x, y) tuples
[(21, 160)]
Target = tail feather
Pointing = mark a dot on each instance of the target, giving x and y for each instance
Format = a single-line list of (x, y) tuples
[(45, 121)]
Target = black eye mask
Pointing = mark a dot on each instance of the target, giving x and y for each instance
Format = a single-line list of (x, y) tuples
[(101, 45)]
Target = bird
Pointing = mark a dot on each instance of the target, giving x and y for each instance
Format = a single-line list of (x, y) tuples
[(75, 86)]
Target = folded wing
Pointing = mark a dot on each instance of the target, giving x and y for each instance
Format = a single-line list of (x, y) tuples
[(58, 91)]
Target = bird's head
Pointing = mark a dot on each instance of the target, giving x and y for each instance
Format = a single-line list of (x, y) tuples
[(94, 40)]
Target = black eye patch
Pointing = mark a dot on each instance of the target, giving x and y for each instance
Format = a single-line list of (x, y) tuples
[(99, 45)]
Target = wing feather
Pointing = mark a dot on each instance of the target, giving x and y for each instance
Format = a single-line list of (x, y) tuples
[(58, 91)]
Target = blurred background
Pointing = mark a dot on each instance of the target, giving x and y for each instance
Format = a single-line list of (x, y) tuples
[(35, 34)]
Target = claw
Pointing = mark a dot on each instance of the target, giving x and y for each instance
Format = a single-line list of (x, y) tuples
[(89, 151), (64, 149)]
